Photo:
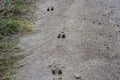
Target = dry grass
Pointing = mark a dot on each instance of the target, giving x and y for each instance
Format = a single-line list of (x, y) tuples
[(11, 25)]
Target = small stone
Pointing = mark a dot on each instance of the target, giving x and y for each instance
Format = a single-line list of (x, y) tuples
[(77, 76)]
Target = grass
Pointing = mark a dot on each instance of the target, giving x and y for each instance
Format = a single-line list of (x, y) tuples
[(11, 25), (17, 8), (7, 68)]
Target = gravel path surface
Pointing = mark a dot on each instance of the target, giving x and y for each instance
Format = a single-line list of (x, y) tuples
[(73, 40)]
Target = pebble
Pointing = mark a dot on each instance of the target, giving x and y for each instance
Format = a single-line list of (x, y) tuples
[(77, 76)]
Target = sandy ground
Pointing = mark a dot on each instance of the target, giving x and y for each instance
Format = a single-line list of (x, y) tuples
[(73, 40)]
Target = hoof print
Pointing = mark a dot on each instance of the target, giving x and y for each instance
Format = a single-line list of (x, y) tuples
[(63, 36), (59, 35), (48, 9), (52, 8), (59, 72), (53, 72), (56, 72)]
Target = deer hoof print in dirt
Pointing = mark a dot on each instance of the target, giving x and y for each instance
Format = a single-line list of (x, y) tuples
[(56, 72), (50, 9), (62, 35)]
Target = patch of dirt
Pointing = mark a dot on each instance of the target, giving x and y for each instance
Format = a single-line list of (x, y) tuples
[(73, 40)]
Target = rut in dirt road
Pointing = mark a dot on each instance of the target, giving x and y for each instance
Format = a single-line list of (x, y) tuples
[(73, 40)]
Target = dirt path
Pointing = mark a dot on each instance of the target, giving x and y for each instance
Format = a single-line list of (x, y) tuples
[(73, 40)]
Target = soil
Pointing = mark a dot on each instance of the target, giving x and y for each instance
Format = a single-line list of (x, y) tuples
[(72, 40)]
